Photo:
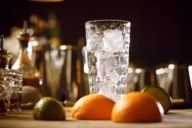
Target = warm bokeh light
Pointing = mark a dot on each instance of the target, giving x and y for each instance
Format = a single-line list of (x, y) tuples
[(190, 74), (46, 0), (171, 66)]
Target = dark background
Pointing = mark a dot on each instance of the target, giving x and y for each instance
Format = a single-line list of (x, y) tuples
[(160, 29)]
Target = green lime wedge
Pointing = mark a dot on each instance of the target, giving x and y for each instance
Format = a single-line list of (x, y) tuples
[(48, 108), (160, 95)]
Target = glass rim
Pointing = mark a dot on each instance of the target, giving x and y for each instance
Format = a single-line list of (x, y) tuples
[(107, 20)]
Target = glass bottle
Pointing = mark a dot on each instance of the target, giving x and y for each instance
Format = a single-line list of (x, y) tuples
[(24, 62), (5, 57), (10, 83)]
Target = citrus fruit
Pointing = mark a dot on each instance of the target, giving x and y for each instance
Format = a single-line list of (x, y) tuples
[(160, 95), (48, 108), (137, 107), (30, 95), (93, 107)]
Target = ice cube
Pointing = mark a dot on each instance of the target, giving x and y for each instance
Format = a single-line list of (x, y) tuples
[(109, 92), (105, 63), (113, 40), (94, 43)]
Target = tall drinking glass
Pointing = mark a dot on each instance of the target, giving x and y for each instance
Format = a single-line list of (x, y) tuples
[(107, 56)]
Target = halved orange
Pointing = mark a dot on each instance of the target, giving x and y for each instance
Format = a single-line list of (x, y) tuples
[(137, 107), (93, 107)]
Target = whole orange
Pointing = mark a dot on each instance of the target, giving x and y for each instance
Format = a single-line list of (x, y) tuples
[(137, 107), (93, 107)]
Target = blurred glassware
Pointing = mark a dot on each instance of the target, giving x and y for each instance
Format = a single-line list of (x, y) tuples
[(64, 78), (11, 43), (190, 74), (13, 81), (136, 79), (53, 31), (10, 80), (10, 89), (175, 80), (165, 77), (54, 61), (5, 55), (6, 84), (24, 62)]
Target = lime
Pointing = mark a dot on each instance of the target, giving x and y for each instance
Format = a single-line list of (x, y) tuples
[(48, 108), (160, 95)]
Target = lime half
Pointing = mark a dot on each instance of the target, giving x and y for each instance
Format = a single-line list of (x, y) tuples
[(48, 108), (160, 95)]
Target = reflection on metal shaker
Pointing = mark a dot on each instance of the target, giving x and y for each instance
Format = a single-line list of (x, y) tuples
[(64, 78), (138, 78), (175, 80)]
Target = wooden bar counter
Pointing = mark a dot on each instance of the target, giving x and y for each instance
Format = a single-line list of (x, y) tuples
[(180, 118)]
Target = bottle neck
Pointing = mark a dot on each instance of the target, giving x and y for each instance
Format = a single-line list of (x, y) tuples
[(25, 56)]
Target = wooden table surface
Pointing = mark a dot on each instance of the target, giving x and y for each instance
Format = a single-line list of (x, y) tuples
[(181, 118)]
